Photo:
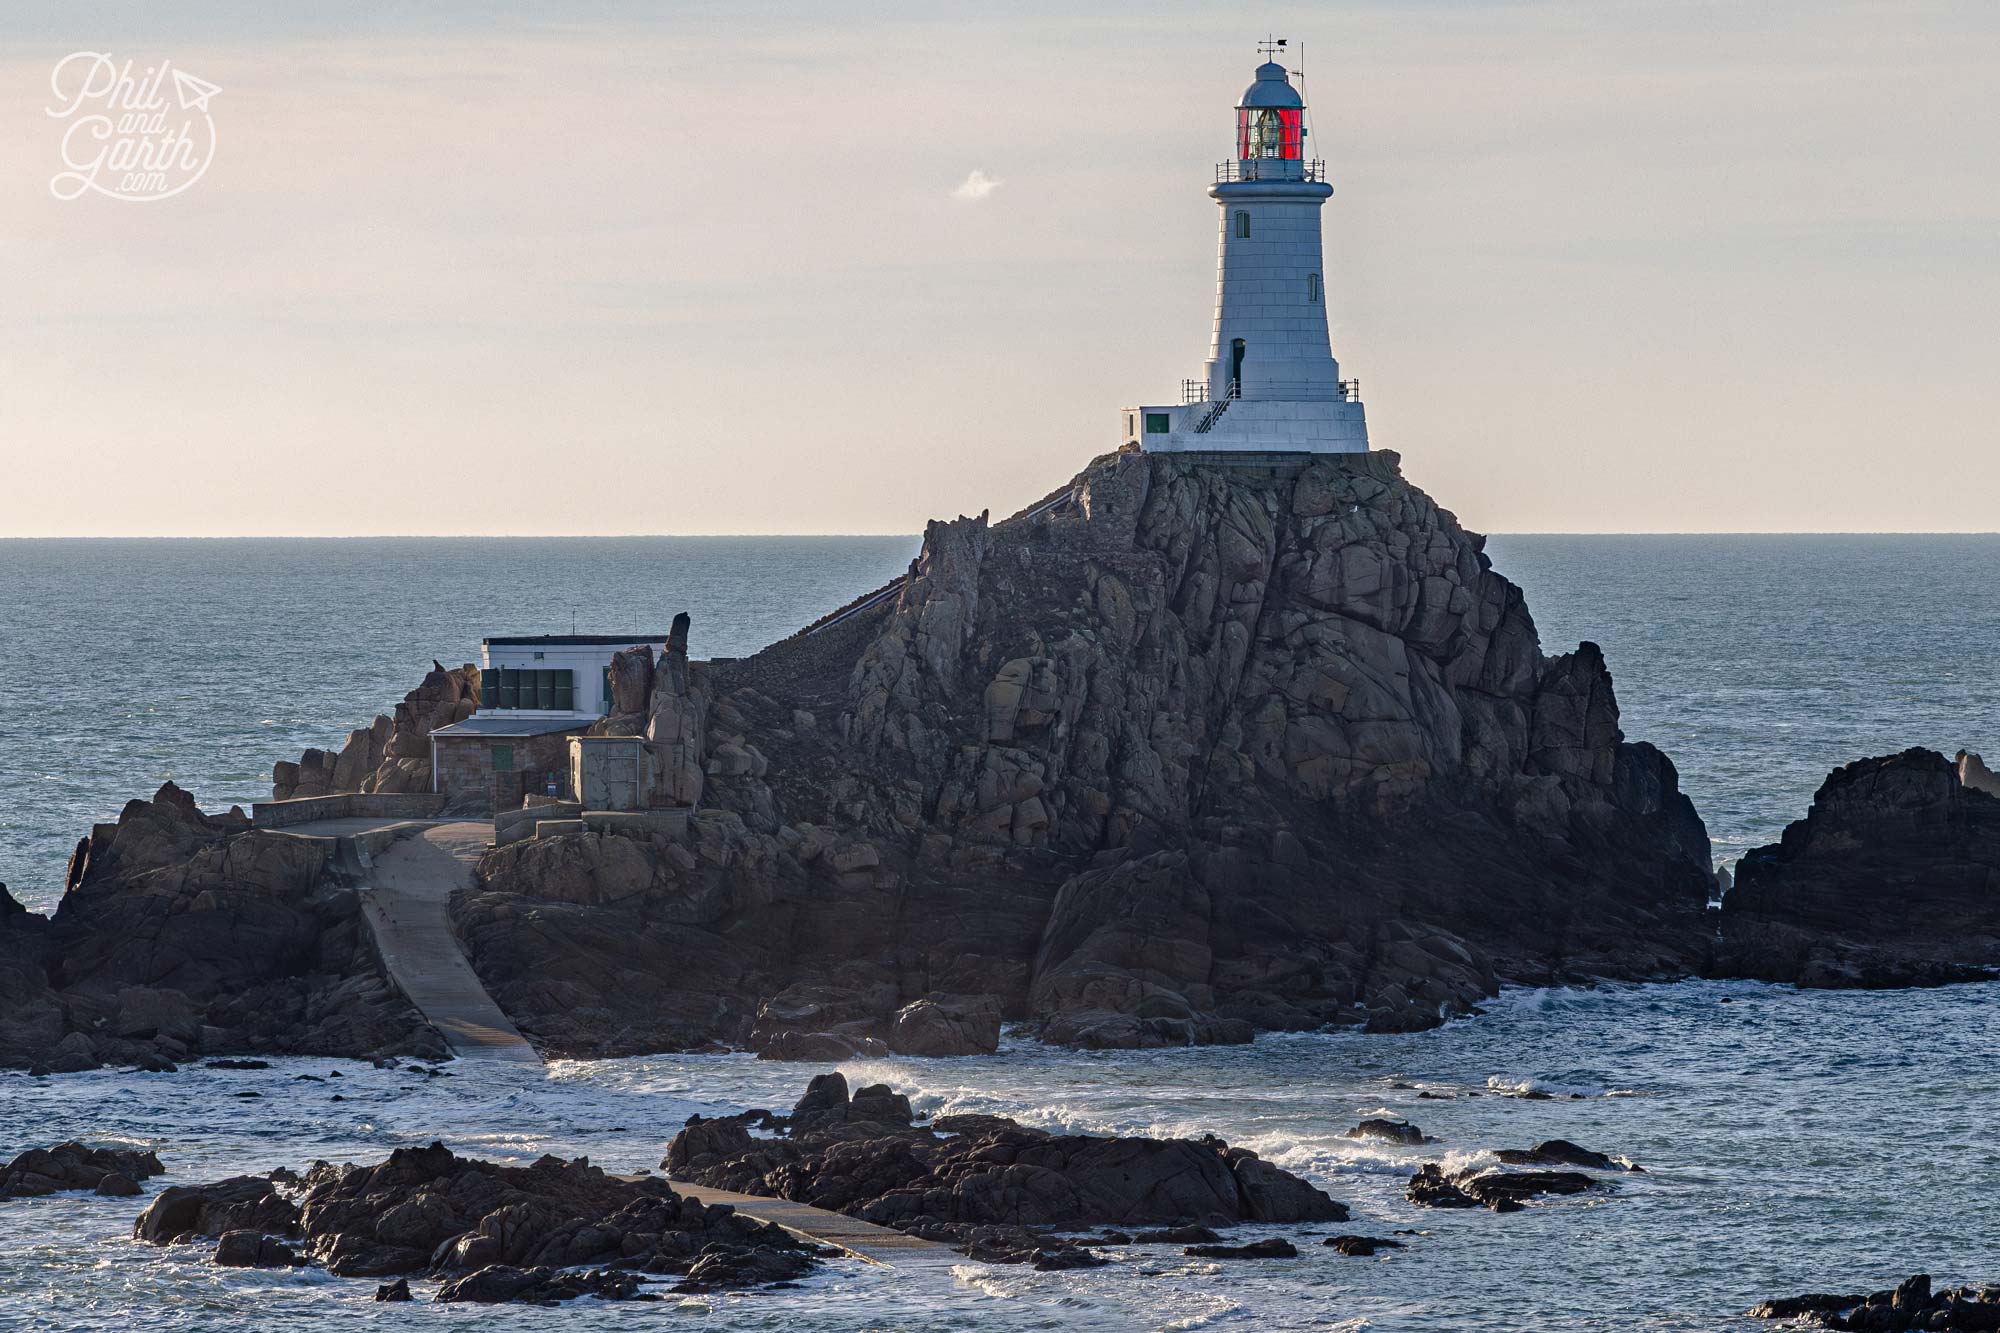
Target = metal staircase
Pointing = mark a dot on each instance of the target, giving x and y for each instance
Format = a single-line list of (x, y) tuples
[(1218, 407)]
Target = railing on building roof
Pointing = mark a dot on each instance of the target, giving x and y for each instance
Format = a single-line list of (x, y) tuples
[(1271, 169), (1350, 391), (1194, 391)]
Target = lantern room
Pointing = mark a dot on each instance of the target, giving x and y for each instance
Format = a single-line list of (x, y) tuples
[(1271, 118)]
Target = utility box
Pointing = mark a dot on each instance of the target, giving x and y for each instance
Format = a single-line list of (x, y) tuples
[(608, 772)]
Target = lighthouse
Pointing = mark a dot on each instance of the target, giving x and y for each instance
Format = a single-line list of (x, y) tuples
[(1270, 384)]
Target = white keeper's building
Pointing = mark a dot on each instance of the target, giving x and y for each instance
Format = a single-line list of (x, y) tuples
[(1271, 384)]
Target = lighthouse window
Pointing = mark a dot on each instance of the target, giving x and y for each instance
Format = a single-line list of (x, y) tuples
[(1157, 423), (1243, 225), (1312, 288), (1270, 135)]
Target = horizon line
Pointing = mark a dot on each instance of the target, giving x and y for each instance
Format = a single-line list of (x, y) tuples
[(738, 536)]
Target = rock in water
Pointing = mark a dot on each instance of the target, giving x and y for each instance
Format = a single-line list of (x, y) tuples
[(947, 1025), (1502, 1191), (1389, 1131), (181, 933), (1561, 1152), (1891, 879), (250, 1204), (986, 1183), (76, 1166), (1104, 766), (250, 1249), (1912, 1304), (1258, 1249), (495, 1233), (429, 1209)]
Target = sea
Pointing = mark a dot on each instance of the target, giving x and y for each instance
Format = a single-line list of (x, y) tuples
[(1792, 1141)]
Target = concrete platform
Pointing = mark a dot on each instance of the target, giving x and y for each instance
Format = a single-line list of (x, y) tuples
[(410, 884), (348, 826), (865, 1240)]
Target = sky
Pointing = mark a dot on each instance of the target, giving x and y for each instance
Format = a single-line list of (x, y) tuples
[(1599, 266)]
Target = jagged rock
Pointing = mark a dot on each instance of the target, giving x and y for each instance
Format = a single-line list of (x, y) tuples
[(241, 1203), (1190, 1235), (498, 1283), (962, 1177), (1208, 752), (1257, 1249), (252, 1249), (1361, 1246), (1502, 1191), (1561, 1152), (392, 753), (1892, 879), (1912, 1304), (76, 1166), (947, 1025), (818, 1047), (428, 1210), (1389, 1131), (181, 933)]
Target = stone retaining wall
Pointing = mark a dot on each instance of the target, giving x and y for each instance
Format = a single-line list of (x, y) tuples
[(346, 805)]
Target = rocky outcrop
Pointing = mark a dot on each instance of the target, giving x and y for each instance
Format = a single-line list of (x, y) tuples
[(1891, 879), (76, 1166), (180, 934), (1561, 1152), (429, 1210), (182, 1213), (947, 1025), (1213, 749), (998, 1188), (1502, 1191), (390, 754), (490, 1232), (1910, 1304), (1387, 1131), (666, 702)]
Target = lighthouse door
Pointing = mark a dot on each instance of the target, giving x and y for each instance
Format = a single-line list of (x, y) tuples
[(1235, 389)]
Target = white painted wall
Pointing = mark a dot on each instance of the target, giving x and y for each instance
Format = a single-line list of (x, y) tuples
[(1263, 292), (586, 660), (1258, 425)]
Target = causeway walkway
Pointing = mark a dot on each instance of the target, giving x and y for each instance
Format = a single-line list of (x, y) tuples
[(882, 1245), (409, 886)]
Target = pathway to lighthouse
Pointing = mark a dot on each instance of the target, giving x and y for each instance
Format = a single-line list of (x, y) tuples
[(410, 885)]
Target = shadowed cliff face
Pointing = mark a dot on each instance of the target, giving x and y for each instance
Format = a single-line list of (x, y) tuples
[(183, 934), (1206, 750), (1891, 879)]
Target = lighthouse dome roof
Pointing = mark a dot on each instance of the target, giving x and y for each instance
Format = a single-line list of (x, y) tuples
[(1272, 88)]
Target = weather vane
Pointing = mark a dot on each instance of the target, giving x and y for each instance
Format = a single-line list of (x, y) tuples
[(1270, 47)]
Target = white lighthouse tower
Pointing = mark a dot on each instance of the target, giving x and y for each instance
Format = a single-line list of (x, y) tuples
[(1271, 384)]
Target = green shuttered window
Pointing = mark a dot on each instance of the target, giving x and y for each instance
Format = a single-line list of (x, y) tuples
[(548, 690)]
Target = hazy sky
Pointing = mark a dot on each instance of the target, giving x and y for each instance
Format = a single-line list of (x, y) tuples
[(1599, 266)]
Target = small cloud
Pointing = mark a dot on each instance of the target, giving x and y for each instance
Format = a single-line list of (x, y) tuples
[(976, 187)]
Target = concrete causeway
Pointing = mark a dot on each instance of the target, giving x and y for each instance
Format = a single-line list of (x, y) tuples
[(410, 884), (865, 1240)]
